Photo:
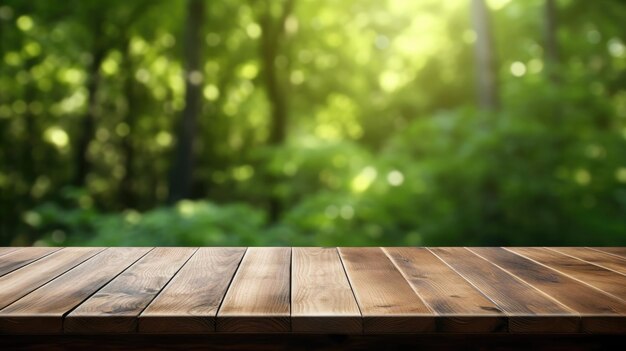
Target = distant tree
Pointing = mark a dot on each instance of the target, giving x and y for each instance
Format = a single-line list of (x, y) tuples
[(95, 24), (551, 46), (182, 170), (488, 99), (128, 196), (486, 76), (272, 22)]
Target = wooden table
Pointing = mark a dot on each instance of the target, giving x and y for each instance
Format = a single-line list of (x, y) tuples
[(73, 296)]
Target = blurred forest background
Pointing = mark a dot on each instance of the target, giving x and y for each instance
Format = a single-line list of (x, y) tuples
[(313, 122)]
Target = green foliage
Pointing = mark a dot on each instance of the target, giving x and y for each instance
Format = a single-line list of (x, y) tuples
[(385, 143), (189, 223)]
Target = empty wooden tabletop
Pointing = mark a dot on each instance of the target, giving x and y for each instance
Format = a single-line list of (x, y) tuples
[(312, 290)]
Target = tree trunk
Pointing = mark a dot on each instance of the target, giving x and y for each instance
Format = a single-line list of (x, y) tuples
[(488, 100), (182, 171), (275, 91), (127, 188), (87, 124), (127, 191), (273, 30), (486, 82), (551, 43), (31, 157)]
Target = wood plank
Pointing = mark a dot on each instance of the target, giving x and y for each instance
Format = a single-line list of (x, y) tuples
[(15, 259), (189, 303), (601, 312), (603, 279), (42, 310), (115, 308), (22, 281), (258, 299), (617, 251), (321, 298), (529, 311), (6, 250), (388, 303), (312, 290), (598, 258), (459, 306)]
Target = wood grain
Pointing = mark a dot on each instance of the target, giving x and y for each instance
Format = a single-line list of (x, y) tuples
[(459, 306), (239, 292), (6, 250), (22, 281), (321, 298), (258, 299), (598, 258), (42, 310), (189, 303), (603, 279), (529, 311), (15, 259), (388, 303), (617, 251), (115, 308), (602, 312)]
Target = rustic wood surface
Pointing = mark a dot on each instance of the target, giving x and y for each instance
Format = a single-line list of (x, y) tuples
[(43, 310), (6, 250), (600, 278), (14, 259), (190, 302), (388, 303), (116, 307), (321, 297), (459, 306), (529, 310), (597, 258), (19, 283), (258, 299), (603, 312), (617, 251), (348, 291)]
